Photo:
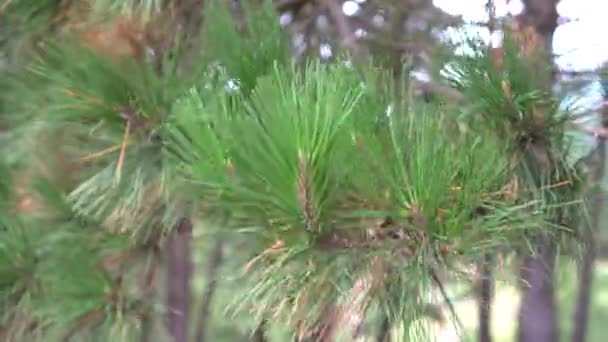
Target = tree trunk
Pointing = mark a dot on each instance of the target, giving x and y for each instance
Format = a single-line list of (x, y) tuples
[(537, 319), (179, 270), (537, 322)]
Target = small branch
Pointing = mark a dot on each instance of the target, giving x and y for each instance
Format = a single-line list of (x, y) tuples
[(103, 152), (448, 302)]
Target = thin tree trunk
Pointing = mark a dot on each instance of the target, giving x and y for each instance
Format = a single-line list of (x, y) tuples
[(537, 315), (215, 261), (486, 280), (537, 322), (486, 288), (581, 313), (179, 271)]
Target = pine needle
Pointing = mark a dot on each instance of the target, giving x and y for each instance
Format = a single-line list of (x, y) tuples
[(103, 152), (123, 149), (277, 247), (86, 98)]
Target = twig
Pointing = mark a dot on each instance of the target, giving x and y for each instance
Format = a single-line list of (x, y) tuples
[(91, 99), (102, 152), (448, 301)]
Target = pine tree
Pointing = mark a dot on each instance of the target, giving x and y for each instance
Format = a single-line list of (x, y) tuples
[(341, 198)]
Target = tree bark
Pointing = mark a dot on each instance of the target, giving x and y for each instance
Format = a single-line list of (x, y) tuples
[(537, 316), (179, 271), (537, 322)]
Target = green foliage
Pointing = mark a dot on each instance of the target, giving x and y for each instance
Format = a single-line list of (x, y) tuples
[(330, 176), (19, 21), (51, 271), (292, 162), (510, 95)]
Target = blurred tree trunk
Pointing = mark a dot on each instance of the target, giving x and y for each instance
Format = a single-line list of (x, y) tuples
[(537, 315), (179, 273), (537, 321)]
